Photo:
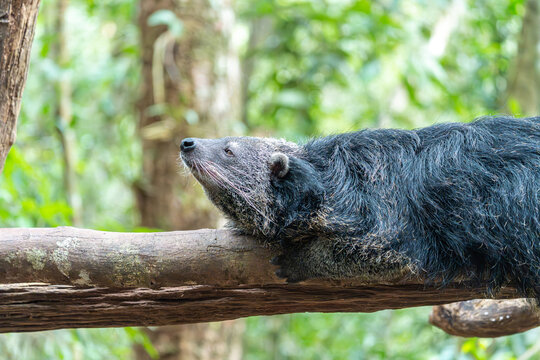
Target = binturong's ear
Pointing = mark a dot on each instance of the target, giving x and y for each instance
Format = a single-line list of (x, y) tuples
[(279, 164)]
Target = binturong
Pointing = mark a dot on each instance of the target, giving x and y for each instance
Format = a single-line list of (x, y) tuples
[(449, 201)]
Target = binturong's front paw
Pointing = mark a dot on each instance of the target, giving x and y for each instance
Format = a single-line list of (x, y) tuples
[(290, 267), (301, 261)]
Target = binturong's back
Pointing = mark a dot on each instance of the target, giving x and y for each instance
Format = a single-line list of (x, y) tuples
[(448, 201)]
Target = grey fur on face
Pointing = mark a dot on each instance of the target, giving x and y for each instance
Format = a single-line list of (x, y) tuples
[(236, 173)]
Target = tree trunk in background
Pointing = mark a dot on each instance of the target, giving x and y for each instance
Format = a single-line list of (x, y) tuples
[(17, 23), (190, 88), (64, 115), (523, 92), (259, 30)]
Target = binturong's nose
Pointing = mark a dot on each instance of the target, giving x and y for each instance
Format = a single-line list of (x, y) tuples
[(187, 145)]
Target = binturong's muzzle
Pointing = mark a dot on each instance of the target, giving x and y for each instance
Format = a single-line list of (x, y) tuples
[(194, 151), (188, 144)]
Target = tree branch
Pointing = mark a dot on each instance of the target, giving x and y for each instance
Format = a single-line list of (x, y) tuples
[(104, 279), (17, 22), (486, 318)]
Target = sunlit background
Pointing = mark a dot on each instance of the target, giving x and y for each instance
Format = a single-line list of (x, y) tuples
[(114, 84)]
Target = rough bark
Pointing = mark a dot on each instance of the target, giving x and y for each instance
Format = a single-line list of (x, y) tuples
[(79, 257), (17, 22), (104, 279), (486, 318), (34, 307)]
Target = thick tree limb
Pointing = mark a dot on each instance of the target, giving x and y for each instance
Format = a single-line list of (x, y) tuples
[(486, 318), (103, 279), (17, 22)]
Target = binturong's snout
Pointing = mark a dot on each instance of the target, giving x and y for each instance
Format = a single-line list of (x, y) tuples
[(188, 144), (195, 150), (200, 157)]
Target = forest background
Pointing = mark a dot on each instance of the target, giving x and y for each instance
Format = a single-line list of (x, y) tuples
[(115, 84)]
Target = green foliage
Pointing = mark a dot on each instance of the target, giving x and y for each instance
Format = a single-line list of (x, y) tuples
[(319, 67), (398, 334), (139, 337), (336, 66), (26, 196), (88, 344), (104, 75)]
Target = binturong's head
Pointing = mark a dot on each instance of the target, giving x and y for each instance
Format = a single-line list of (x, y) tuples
[(264, 186)]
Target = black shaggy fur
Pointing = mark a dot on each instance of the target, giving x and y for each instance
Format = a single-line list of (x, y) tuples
[(446, 201)]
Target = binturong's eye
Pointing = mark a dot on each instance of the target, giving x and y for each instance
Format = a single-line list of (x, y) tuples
[(228, 152)]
